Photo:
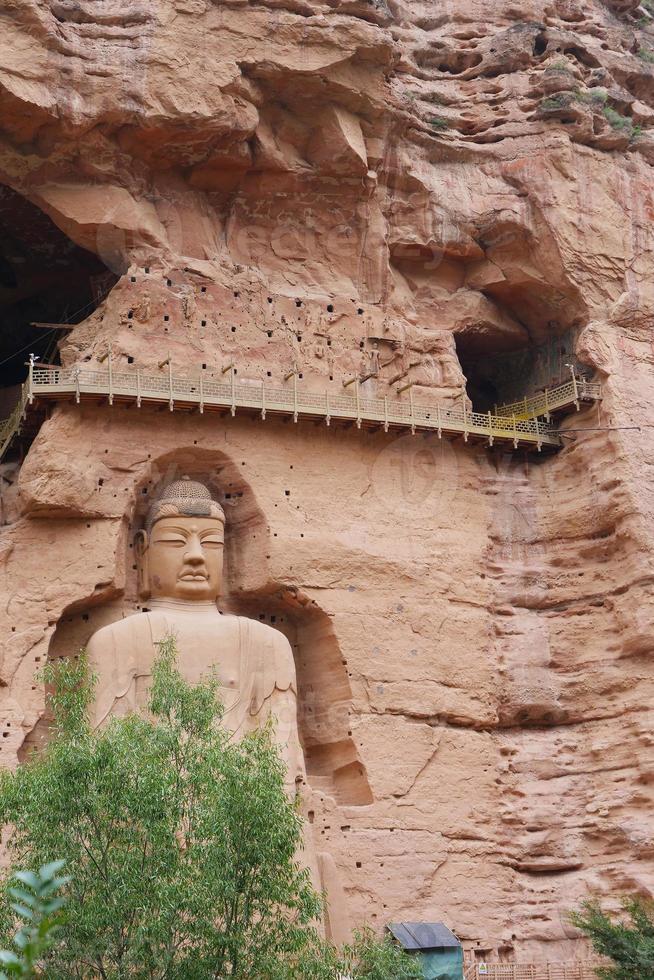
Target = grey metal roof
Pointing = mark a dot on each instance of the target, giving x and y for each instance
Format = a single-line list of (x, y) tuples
[(417, 936)]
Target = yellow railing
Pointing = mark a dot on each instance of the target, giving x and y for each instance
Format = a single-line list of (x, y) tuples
[(572, 392), (205, 394), (520, 423)]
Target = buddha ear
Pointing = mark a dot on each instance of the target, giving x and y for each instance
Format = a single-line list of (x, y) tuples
[(142, 564)]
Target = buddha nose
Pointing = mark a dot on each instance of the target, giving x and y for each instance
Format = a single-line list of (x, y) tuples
[(194, 554)]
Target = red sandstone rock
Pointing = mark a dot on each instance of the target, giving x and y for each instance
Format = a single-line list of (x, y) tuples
[(321, 187)]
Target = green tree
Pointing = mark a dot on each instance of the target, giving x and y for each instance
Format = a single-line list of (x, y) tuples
[(372, 959), (181, 844), (627, 940), (37, 905)]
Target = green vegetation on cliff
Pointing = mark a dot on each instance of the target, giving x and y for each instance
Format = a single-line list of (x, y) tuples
[(628, 940), (181, 844)]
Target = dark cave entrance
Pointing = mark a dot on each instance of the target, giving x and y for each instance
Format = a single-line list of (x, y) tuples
[(45, 278), (497, 377)]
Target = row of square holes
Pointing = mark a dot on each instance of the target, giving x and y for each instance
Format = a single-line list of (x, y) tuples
[(269, 333), (130, 360), (298, 302)]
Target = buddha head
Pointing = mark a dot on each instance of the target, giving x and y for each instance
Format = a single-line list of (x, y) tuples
[(180, 551)]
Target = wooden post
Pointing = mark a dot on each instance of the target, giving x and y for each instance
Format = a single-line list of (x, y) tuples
[(77, 391), (224, 370), (438, 418), (358, 397), (490, 429), (138, 388), (465, 418), (413, 421), (575, 389), (328, 417), (547, 405), (201, 394), (515, 433), (171, 400), (111, 379), (295, 412), (263, 400), (30, 379), (233, 408), (385, 413)]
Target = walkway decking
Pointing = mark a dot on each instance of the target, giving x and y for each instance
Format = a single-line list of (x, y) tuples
[(546, 403), (532, 971), (202, 395)]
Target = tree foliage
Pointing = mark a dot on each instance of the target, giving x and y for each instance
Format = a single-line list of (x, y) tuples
[(627, 940), (37, 904), (181, 843), (371, 959)]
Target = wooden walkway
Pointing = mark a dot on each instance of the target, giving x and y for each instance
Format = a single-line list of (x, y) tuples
[(505, 426), (550, 401), (531, 971)]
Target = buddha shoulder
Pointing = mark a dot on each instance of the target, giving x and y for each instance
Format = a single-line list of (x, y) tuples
[(123, 633), (265, 635), (273, 648)]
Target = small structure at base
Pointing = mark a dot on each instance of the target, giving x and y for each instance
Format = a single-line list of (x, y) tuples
[(440, 951)]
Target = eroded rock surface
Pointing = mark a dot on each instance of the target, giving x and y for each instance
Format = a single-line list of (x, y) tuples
[(399, 191)]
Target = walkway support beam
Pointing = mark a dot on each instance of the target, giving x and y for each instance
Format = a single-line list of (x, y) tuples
[(50, 382)]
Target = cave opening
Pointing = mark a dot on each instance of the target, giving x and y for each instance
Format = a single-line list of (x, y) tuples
[(45, 278), (499, 376)]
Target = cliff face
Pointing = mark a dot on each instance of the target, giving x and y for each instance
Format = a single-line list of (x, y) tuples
[(411, 191)]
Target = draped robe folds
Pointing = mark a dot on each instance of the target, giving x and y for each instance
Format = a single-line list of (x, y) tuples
[(256, 671), (254, 663)]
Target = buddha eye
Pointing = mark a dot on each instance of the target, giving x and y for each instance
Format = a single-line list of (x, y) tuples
[(212, 543), (177, 540)]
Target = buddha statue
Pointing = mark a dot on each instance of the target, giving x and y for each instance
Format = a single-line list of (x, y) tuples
[(180, 563)]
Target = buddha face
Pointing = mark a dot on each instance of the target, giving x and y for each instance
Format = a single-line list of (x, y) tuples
[(183, 559)]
